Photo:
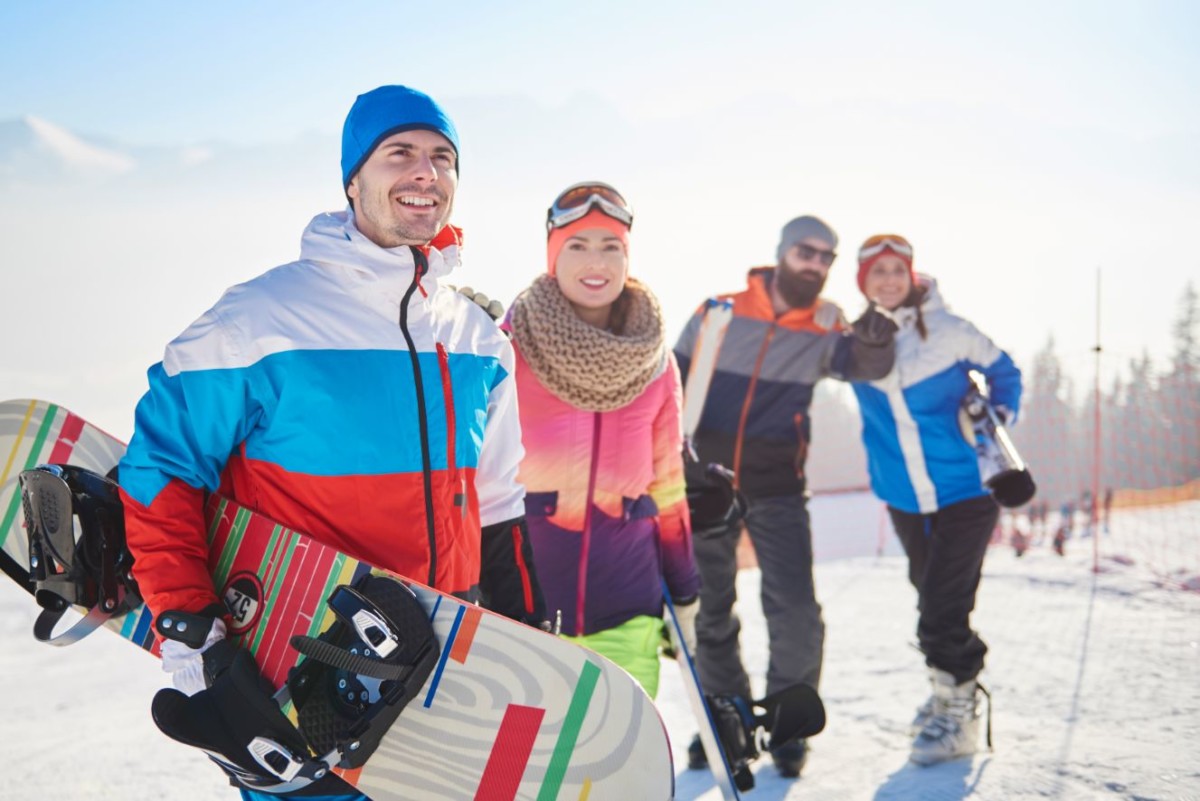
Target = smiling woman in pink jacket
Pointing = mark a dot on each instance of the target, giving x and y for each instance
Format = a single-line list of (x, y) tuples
[(599, 397)]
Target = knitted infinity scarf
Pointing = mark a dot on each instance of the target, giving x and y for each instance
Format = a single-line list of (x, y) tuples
[(588, 367)]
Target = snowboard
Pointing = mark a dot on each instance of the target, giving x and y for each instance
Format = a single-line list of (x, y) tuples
[(1001, 467), (705, 352), (507, 712), (779, 718)]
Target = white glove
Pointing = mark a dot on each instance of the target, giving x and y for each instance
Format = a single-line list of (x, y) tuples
[(186, 664), (494, 308), (686, 614)]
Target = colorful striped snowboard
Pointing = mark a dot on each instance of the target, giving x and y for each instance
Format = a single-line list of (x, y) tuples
[(509, 712)]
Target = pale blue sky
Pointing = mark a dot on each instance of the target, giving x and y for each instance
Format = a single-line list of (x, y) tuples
[(1021, 146), (156, 73)]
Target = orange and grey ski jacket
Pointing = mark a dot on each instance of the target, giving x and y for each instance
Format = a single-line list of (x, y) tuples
[(755, 418)]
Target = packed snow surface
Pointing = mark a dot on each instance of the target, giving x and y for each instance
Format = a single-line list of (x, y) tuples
[(1095, 682)]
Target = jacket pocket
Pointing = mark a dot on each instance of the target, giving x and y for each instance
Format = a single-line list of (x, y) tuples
[(541, 504), (638, 508)]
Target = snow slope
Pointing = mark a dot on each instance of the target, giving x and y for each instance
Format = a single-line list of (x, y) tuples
[(1095, 680)]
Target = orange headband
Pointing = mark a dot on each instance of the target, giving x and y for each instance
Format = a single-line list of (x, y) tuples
[(593, 219)]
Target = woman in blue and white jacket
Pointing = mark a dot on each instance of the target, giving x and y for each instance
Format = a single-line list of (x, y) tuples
[(926, 471)]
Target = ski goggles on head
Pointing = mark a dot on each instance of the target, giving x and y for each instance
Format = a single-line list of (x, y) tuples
[(576, 201), (877, 244)]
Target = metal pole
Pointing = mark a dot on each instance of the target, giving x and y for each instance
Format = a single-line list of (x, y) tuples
[(1096, 450)]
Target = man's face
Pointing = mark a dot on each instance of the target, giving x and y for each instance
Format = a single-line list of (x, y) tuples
[(801, 276), (404, 192)]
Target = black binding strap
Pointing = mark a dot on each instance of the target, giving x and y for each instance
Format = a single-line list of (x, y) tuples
[(341, 659)]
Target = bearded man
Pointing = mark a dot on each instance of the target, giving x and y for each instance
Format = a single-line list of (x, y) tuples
[(783, 338)]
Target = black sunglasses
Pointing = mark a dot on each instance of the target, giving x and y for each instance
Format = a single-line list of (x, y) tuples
[(809, 253)]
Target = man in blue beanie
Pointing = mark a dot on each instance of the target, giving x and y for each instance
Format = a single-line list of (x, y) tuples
[(389, 132), (350, 395)]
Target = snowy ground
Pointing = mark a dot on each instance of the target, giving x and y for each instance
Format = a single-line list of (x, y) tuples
[(1095, 680)]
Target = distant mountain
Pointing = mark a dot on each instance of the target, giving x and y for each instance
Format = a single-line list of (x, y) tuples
[(31, 146), (37, 152)]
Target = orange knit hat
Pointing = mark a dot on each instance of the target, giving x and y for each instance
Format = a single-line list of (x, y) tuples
[(874, 249)]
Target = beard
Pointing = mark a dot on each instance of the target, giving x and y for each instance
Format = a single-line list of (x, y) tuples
[(799, 288)]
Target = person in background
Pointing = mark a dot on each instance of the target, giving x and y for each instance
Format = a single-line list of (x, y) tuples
[(599, 404), (782, 338), (281, 396), (926, 471)]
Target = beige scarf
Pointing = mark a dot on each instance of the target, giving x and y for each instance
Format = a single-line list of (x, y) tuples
[(588, 367)]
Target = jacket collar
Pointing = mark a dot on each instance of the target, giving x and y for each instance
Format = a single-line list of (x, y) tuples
[(333, 239), (906, 316), (755, 302)]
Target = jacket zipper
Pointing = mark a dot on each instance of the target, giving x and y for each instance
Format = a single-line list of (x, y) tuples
[(741, 430), (421, 266), (587, 526)]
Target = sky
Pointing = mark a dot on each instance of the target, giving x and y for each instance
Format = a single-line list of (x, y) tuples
[(1024, 149), (1091, 674)]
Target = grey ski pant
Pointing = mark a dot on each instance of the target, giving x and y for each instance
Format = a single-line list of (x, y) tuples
[(779, 529)]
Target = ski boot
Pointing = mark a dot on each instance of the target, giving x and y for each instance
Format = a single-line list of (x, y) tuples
[(952, 730)]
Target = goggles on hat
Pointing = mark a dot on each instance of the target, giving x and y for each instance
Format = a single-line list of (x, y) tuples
[(877, 244), (576, 201)]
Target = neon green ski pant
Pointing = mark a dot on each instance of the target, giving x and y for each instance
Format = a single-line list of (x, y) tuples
[(633, 645)]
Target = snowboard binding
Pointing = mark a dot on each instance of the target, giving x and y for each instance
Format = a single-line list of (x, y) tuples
[(356, 679), (235, 721), (747, 728), (77, 551), (361, 673)]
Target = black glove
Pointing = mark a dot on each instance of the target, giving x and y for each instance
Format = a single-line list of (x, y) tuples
[(507, 578), (235, 719), (714, 504), (875, 327)]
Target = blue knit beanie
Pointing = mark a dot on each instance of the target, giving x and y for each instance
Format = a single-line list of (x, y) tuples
[(382, 112)]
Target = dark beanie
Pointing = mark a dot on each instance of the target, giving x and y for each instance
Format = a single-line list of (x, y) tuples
[(803, 228)]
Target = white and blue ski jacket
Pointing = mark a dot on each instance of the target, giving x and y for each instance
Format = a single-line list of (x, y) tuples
[(347, 395), (918, 458)]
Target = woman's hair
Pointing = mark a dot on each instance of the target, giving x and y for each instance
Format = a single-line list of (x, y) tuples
[(618, 315), (916, 296)]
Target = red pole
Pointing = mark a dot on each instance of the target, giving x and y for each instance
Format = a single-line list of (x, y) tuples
[(1096, 432)]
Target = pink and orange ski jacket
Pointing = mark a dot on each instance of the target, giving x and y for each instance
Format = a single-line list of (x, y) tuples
[(605, 502)]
